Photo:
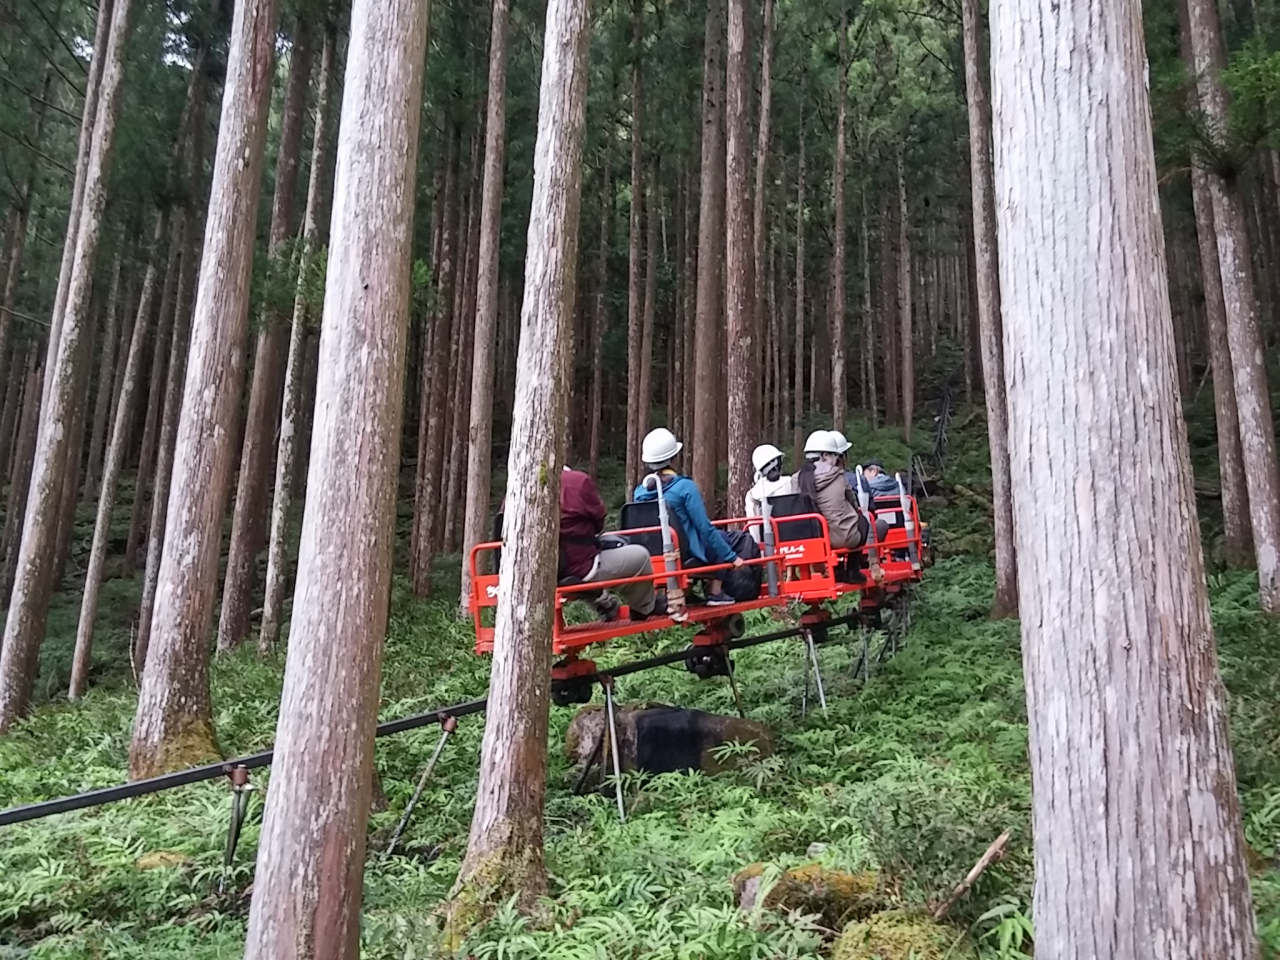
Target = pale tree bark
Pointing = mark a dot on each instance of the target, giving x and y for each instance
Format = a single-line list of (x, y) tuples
[(20, 474), (248, 523), (186, 239), (435, 367), (838, 246), (1244, 337), (460, 408), (600, 316), (1132, 775), (139, 510), (314, 236), (111, 468), (70, 496), (17, 379), (504, 851), (708, 361), (990, 325), (1236, 342), (906, 336), (739, 288), (20, 216), (174, 726), (106, 378), (797, 387), (310, 873), (645, 389), (869, 350), (764, 320), (89, 119), (635, 244), (55, 457), (480, 431)]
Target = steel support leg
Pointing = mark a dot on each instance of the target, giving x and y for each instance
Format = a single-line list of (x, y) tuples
[(817, 672), (607, 682), (447, 726)]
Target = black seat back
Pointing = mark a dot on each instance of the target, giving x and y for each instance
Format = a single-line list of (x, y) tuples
[(792, 505), (638, 516), (889, 509)]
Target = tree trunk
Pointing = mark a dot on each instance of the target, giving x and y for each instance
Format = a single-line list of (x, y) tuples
[(764, 320), (708, 360), (797, 417), (174, 727), (140, 509), (990, 326), (600, 316), (106, 378), (64, 541), (310, 872), (1123, 654), (635, 243), (907, 341), (1244, 338), (743, 387), (869, 349), (461, 406), (17, 379), (480, 432), (315, 231), (504, 852), (24, 449), (838, 251), (111, 468), (54, 455), (436, 367), (248, 524), (689, 292), (88, 134), (645, 389)]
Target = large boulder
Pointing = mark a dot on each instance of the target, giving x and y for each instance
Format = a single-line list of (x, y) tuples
[(657, 738), (902, 935), (835, 896)]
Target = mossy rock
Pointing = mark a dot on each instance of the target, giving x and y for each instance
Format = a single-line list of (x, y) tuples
[(902, 935), (836, 896)]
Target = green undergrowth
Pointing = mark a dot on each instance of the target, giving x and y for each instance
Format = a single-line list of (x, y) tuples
[(911, 774)]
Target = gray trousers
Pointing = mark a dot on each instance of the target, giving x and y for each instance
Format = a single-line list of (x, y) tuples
[(629, 561)]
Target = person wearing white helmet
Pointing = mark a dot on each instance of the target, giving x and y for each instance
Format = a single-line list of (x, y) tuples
[(770, 482), (706, 545), (822, 480)]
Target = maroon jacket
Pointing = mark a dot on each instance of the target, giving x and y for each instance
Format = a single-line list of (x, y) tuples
[(582, 515)]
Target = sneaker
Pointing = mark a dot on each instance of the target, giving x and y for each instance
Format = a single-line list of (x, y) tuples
[(720, 599), (608, 606), (659, 609)]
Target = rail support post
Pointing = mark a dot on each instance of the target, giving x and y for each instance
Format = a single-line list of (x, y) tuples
[(606, 682), (812, 652), (448, 724), (240, 789)]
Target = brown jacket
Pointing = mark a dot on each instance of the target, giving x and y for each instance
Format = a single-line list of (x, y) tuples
[(837, 503)]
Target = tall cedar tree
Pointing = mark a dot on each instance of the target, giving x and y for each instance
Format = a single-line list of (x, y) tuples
[(634, 246), (315, 230), (480, 434), (36, 568), (839, 239), (1131, 763), (307, 889), (990, 327), (739, 288), (1244, 336), (707, 322), (249, 519), (504, 852), (174, 726)]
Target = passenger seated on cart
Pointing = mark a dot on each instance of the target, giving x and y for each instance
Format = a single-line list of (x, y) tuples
[(881, 483), (850, 476), (823, 481), (586, 558), (770, 482), (706, 545)]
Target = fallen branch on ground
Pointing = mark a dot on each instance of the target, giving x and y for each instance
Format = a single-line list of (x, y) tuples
[(994, 853)]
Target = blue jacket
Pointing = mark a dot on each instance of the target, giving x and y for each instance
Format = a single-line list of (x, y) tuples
[(706, 543), (885, 485)]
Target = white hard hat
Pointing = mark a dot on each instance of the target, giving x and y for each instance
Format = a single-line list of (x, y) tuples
[(821, 441), (764, 455), (660, 447), (841, 442)]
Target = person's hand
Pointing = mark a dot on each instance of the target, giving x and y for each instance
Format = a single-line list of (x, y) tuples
[(737, 562)]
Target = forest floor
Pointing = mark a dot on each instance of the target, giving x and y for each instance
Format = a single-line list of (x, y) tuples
[(913, 774)]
